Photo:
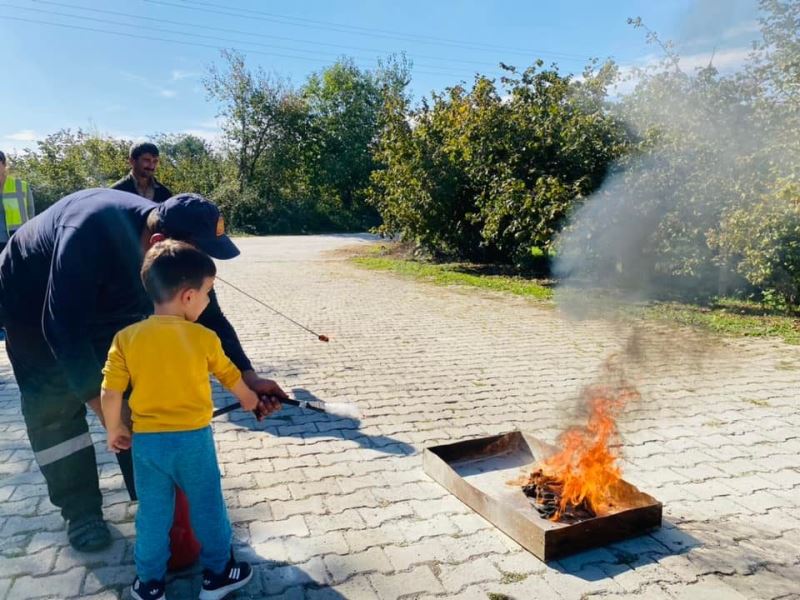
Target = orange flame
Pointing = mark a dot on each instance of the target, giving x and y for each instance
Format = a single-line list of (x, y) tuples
[(586, 463)]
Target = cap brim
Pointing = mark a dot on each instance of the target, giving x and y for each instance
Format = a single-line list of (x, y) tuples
[(221, 247)]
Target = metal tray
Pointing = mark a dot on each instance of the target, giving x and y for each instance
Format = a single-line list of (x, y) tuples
[(477, 471)]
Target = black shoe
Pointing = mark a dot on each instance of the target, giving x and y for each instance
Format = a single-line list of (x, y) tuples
[(148, 590), (89, 533), (234, 576)]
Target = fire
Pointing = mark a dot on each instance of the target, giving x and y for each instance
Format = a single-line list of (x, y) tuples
[(582, 478)]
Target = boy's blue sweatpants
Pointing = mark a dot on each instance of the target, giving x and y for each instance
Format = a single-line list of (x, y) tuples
[(186, 458)]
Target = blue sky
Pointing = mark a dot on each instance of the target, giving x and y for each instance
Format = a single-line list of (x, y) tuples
[(133, 68)]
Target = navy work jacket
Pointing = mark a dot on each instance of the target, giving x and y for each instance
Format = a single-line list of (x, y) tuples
[(74, 269)]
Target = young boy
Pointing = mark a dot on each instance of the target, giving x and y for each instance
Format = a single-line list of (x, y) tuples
[(166, 360)]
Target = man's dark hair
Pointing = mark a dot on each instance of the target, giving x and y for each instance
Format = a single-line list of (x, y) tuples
[(143, 148), (2, 157), (171, 266)]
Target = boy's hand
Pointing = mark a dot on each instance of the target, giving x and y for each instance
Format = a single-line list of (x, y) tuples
[(119, 439), (249, 400)]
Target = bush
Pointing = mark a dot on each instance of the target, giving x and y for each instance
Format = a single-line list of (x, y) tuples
[(485, 175)]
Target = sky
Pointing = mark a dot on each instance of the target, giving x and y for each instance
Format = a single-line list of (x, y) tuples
[(135, 68)]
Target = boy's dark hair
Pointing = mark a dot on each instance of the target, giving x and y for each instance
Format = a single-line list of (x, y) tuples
[(171, 266), (2, 157), (143, 148)]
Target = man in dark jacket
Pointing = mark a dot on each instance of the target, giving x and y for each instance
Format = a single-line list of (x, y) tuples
[(141, 180), (69, 280)]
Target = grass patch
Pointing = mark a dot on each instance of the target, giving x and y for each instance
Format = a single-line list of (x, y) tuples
[(457, 274), (785, 365), (757, 402), (509, 577), (725, 316), (736, 318), (496, 596)]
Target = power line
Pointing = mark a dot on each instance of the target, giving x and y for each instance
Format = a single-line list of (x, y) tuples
[(227, 30), (197, 44), (353, 29)]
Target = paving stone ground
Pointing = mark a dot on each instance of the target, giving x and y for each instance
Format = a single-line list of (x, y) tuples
[(331, 508)]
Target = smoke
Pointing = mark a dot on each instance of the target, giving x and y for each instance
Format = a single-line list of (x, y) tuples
[(671, 221), (702, 208)]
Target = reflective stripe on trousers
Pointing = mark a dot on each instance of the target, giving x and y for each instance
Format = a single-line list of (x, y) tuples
[(55, 420), (63, 450)]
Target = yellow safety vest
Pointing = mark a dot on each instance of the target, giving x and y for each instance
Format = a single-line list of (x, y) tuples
[(18, 206)]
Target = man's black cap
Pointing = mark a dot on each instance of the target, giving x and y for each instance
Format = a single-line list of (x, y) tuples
[(192, 218)]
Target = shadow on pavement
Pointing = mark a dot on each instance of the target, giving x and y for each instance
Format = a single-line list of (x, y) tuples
[(611, 560), (113, 569), (293, 421)]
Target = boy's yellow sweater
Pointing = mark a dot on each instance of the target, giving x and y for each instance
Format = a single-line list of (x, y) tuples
[(166, 360)]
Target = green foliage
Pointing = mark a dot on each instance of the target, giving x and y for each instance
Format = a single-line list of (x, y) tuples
[(65, 162), (301, 158), (762, 243), (486, 174), (188, 164), (344, 105)]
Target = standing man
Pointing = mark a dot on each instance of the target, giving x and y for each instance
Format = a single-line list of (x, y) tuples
[(17, 200), (141, 180), (69, 280)]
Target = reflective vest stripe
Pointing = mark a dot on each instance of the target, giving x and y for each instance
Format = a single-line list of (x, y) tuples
[(21, 200), (30, 209), (4, 235), (63, 450)]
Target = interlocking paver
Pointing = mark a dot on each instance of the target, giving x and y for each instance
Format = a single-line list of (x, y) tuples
[(61, 585), (418, 580), (330, 508), (342, 567)]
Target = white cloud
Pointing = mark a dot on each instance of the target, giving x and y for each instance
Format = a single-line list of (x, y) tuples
[(741, 33), (212, 136), (178, 74), (25, 135), (725, 61), (746, 28), (214, 123), (150, 85)]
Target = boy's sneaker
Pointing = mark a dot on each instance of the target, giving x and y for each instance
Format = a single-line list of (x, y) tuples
[(147, 590), (234, 576)]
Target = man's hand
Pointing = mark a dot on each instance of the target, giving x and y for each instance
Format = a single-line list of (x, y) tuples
[(119, 439), (268, 392)]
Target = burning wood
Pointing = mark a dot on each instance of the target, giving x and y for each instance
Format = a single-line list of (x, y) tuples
[(545, 494), (581, 480)]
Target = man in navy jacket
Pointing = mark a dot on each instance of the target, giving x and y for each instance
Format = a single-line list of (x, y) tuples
[(69, 280)]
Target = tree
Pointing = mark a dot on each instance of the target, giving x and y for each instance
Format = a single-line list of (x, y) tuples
[(188, 164), (344, 106), (488, 175), (254, 108), (65, 162)]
